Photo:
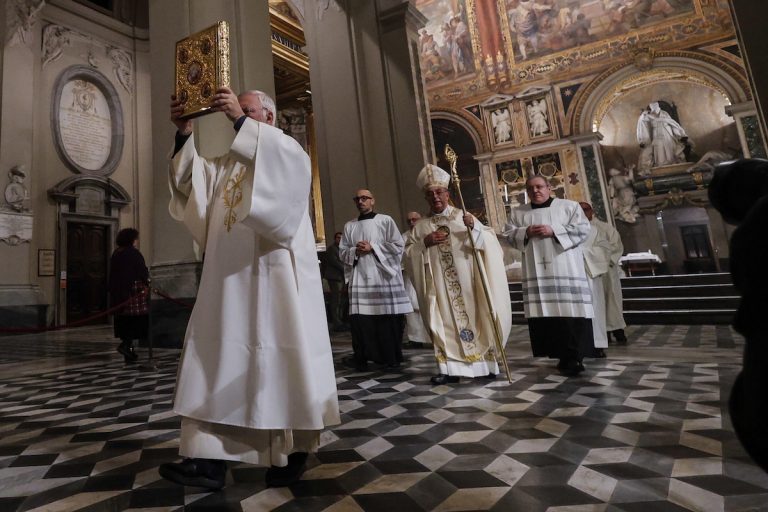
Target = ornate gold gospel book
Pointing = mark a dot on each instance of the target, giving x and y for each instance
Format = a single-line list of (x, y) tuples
[(202, 66)]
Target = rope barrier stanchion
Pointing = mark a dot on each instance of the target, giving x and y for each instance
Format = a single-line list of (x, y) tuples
[(149, 365)]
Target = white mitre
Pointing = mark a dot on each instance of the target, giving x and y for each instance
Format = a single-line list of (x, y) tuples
[(432, 176)]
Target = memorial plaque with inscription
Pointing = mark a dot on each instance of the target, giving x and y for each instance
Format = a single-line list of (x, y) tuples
[(85, 124), (87, 121), (202, 66)]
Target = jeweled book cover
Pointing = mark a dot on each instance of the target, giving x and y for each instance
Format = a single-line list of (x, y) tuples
[(202, 66)]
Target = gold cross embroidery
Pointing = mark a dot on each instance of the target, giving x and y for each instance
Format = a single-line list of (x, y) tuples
[(233, 196)]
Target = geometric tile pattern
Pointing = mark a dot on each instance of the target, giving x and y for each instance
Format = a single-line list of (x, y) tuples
[(644, 430)]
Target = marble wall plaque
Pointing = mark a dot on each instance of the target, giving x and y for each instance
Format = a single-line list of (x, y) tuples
[(15, 228), (87, 121), (85, 124)]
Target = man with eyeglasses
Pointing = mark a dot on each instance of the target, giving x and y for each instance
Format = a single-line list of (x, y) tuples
[(446, 277), (256, 382), (372, 249)]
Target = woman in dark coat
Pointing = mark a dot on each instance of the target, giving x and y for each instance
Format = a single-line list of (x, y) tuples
[(128, 281)]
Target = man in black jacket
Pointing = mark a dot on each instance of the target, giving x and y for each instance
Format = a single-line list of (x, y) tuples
[(333, 272)]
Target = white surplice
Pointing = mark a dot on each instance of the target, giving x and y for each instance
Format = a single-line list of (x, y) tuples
[(375, 279), (256, 379), (450, 293), (554, 279)]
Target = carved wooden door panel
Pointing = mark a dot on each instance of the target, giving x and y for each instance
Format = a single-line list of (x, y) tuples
[(87, 246)]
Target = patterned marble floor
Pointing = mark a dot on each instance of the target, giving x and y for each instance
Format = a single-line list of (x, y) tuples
[(644, 430)]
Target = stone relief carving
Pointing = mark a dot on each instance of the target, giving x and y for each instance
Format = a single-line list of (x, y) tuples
[(21, 15), (16, 192), (622, 194), (15, 218), (123, 67), (323, 5), (55, 38), (293, 122)]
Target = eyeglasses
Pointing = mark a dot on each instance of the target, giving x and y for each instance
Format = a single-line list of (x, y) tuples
[(251, 110), (435, 193), (361, 198)]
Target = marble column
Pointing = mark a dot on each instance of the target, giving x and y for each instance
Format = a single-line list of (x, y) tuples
[(251, 68), (175, 268), (749, 17), (748, 126), (22, 302), (591, 160), (371, 117)]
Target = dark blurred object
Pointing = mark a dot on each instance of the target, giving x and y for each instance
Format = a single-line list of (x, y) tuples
[(739, 191)]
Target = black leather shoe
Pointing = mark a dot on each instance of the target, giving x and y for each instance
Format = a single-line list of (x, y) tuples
[(571, 368), (442, 378), (599, 353), (129, 354), (490, 376), (207, 473), (621, 338), (288, 475), (352, 364)]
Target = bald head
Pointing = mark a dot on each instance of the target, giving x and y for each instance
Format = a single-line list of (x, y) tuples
[(412, 218), (364, 200), (588, 211)]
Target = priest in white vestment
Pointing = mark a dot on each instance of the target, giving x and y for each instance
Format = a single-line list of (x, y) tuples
[(556, 295), (448, 284), (614, 299), (597, 259), (371, 249), (415, 332), (256, 381)]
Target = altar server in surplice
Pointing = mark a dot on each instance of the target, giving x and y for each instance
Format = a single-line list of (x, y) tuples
[(556, 297)]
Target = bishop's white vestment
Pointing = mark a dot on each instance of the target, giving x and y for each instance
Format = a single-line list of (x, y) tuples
[(256, 379), (414, 324), (614, 300), (597, 261), (450, 292), (555, 286)]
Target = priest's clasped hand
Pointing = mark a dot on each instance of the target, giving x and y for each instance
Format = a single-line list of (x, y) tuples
[(469, 221), (539, 231), (363, 247), (435, 237)]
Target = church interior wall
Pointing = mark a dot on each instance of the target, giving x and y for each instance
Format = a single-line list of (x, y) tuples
[(109, 48), (581, 51), (701, 112)]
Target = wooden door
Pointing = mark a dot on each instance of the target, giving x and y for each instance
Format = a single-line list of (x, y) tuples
[(87, 253)]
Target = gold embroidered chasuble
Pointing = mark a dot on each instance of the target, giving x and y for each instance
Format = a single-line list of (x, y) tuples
[(450, 293)]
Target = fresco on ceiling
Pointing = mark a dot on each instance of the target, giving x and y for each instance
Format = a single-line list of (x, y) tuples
[(445, 43), (541, 27)]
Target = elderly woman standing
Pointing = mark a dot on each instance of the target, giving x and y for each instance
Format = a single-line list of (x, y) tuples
[(128, 281)]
